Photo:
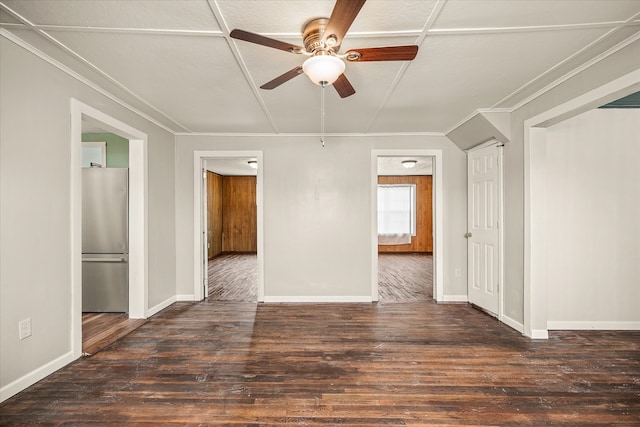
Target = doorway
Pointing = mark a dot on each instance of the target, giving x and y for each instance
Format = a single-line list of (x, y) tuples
[(105, 167), (433, 160), (231, 229), (535, 290), (405, 229), (137, 230), (222, 160)]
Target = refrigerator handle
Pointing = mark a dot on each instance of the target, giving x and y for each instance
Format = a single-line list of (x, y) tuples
[(118, 259)]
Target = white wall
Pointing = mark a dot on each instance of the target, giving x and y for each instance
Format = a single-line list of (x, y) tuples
[(593, 220), (317, 224), (607, 69), (35, 197)]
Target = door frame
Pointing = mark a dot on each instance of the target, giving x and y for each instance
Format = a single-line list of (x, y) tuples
[(499, 145), (200, 207), (438, 228), (138, 216), (535, 145)]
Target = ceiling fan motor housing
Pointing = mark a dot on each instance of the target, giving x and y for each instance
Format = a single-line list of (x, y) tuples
[(312, 34)]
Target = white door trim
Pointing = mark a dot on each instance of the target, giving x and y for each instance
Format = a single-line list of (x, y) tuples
[(204, 212), (535, 143), (198, 249), (438, 218), (138, 214)]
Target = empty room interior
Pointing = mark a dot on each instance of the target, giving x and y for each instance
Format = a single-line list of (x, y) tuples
[(256, 212)]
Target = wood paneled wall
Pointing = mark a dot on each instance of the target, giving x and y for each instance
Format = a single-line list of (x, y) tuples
[(423, 241), (214, 213), (239, 214), (232, 215)]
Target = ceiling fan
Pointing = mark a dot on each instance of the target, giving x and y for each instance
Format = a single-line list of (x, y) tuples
[(322, 38)]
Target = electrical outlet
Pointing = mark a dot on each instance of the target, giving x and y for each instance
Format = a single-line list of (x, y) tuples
[(458, 272), (24, 328)]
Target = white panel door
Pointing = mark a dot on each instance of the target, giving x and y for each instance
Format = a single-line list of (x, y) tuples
[(482, 233)]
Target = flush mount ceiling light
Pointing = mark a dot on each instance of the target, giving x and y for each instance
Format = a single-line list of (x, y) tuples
[(323, 69), (409, 163), (253, 164)]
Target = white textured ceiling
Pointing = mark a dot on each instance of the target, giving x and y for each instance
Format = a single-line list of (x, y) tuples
[(232, 166), (388, 165), (392, 166), (176, 61)]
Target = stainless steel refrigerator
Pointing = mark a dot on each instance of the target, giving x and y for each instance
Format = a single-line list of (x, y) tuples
[(105, 240)]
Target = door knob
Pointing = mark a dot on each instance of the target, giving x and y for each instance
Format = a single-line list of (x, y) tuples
[(467, 235)]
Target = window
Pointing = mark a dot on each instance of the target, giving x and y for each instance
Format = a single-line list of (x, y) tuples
[(94, 153), (397, 209)]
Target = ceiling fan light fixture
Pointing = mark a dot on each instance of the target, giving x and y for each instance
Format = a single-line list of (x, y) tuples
[(408, 164), (323, 68)]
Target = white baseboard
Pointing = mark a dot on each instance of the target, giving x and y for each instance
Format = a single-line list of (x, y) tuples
[(512, 323), (159, 307), (539, 334), (597, 325), (188, 297), (454, 298), (317, 299), (34, 376)]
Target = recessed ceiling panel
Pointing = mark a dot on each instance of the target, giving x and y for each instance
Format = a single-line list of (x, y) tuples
[(371, 81), (184, 15), (287, 16), (454, 75), (568, 66), (516, 13), (295, 105), (195, 80), (286, 102)]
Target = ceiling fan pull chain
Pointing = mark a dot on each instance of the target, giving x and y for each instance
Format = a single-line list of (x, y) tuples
[(322, 86)]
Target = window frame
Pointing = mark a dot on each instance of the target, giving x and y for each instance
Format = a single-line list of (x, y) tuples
[(413, 212)]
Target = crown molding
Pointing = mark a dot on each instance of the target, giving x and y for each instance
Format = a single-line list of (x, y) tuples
[(33, 27), (32, 49), (310, 135), (577, 71), (626, 42)]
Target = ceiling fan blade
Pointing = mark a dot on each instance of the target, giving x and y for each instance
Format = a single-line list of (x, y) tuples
[(265, 41), (389, 53), (283, 78), (344, 12), (343, 86)]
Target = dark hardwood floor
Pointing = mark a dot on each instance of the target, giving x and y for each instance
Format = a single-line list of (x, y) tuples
[(401, 277), (233, 277), (101, 329), (421, 363), (405, 277)]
